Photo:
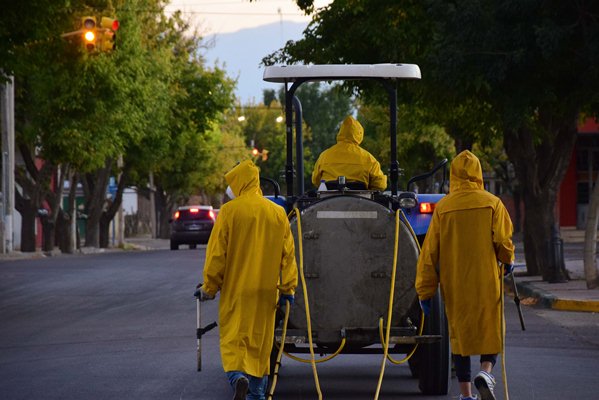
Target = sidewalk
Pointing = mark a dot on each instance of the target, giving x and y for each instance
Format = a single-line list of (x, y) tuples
[(569, 296)]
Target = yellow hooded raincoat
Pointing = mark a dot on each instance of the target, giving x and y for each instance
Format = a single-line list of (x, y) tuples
[(470, 230), (249, 256), (347, 158)]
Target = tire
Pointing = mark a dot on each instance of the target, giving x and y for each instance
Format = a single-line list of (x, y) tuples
[(434, 359), (413, 364), (174, 245)]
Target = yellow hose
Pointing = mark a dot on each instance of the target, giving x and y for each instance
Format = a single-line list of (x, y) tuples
[(421, 326), (411, 353), (279, 353), (503, 370), (390, 308), (305, 292), (320, 360)]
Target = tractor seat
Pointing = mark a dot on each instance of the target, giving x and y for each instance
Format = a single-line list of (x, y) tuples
[(351, 185)]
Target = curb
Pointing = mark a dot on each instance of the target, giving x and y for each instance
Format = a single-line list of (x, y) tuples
[(548, 300)]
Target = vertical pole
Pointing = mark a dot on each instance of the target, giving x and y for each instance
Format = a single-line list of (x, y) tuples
[(74, 211), (152, 207), (394, 167), (8, 162), (120, 232), (299, 146), (289, 140)]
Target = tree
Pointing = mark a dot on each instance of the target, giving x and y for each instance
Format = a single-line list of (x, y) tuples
[(591, 273), (524, 71), (419, 146), (80, 112)]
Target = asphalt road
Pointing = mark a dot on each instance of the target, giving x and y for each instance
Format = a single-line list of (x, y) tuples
[(122, 326)]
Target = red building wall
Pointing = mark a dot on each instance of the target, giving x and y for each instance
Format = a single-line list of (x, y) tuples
[(567, 198), (566, 201)]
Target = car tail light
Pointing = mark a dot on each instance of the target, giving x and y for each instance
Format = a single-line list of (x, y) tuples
[(194, 210), (427, 208), (211, 215), (177, 214)]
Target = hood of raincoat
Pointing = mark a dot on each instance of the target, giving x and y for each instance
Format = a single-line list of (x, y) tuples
[(351, 131), (466, 173), (244, 178)]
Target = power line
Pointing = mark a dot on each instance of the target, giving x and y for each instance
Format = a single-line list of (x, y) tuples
[(237, 13)]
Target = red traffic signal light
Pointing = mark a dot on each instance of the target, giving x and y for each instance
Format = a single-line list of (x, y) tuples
[(108, 36)]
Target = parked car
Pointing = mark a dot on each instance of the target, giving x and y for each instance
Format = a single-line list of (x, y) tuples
[(191, 225)]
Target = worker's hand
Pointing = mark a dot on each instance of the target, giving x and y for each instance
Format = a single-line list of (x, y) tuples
[(426, 306), (283, 299), (508, 269), (202, 295)]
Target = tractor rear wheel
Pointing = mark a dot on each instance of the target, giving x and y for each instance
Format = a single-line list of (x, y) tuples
[(434, 359)]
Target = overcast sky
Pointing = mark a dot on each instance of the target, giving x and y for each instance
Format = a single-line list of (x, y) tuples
[(223, 16)]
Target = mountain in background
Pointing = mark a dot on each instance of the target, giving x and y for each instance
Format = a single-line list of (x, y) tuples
[(241, 52)]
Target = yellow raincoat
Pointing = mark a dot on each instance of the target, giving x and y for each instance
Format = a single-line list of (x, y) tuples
[(249, 256), (347, 158), (470, 230)]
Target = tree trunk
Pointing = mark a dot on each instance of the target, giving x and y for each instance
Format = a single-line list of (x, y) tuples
[(48, 231), (28, 220), (63, 232), (540, 165), (34, 183), (166, 207), (517, 210), (110, 212), (539, 217), (590, 241), (96, 185), (54, 202)]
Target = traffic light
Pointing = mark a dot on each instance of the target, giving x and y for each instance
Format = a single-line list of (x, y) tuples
[(89, 33), (257, 153), (109, 26)]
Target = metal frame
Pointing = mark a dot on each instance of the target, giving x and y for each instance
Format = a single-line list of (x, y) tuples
[(386, 74)]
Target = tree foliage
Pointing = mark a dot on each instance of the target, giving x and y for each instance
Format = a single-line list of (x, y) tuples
[(152, 103), (523, 71)]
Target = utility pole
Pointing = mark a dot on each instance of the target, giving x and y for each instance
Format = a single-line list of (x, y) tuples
[(152, 207), (7, 100), (120, 227)]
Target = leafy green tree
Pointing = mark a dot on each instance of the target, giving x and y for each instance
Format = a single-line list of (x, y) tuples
[(523, 71), (55, 111), (419, 147), (80, 112), (263, 127)]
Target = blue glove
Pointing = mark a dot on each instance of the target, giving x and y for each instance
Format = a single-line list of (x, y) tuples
[(202, 295), (426, 306), (508, 269), (283, 299)]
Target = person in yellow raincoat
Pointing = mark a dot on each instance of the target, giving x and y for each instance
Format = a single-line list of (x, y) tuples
[(250, 259), (470, 231), (347, 158)]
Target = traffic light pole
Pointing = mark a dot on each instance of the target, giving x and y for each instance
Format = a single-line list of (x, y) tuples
[(8, 163)]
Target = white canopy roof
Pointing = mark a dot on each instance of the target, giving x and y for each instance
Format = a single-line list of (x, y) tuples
[(319, 72)]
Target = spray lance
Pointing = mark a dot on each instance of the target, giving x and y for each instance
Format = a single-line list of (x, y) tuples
[(517, 299)]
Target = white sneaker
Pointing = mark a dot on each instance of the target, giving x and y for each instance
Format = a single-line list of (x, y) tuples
[(468, 398), (485, 383)]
